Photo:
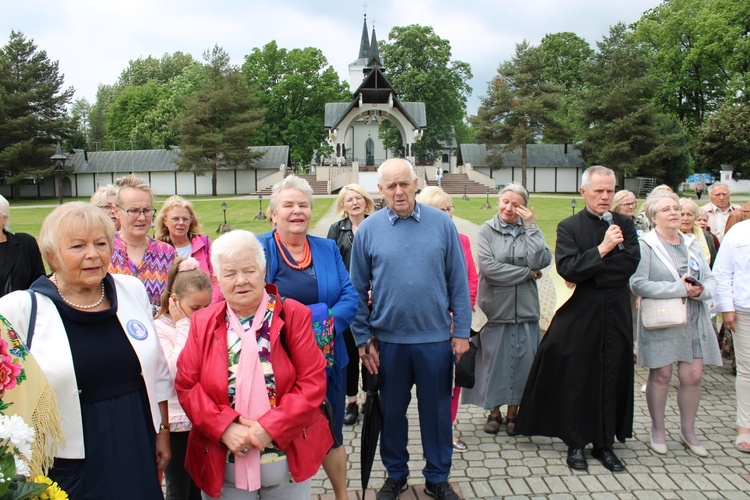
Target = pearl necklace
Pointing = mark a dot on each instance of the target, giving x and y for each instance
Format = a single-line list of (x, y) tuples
[(78, 306)]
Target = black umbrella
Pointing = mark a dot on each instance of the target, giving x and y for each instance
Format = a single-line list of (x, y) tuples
[(371, 424)]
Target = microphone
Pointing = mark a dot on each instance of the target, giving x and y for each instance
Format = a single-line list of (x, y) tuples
[(607, 217)]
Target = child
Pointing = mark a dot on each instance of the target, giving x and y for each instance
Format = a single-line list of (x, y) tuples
[(188, 290)]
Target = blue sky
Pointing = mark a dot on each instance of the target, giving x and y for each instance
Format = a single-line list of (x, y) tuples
[(93, 40)]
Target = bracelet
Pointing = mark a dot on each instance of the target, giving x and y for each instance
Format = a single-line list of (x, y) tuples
[(163, 427)]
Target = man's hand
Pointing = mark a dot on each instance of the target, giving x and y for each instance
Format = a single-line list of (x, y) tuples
[(163, 450), (612, 238), (729, 317), (460, 346), (370, 357)]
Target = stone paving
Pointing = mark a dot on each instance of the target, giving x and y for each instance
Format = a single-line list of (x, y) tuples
[(499, 466)]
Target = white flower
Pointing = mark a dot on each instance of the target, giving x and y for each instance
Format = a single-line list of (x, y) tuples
[(22, 467), (14, 428)]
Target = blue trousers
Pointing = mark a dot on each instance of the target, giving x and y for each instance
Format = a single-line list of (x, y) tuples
[(429, 366)]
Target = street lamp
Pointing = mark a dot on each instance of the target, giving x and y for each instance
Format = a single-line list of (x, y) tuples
[(261, 215), (486, 205), (465, 198), (573, 205), (58, 160), (224, 228)]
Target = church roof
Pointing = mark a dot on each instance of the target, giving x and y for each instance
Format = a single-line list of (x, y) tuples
[(537, 155), (374, 54), (364, 44), (158, 160)]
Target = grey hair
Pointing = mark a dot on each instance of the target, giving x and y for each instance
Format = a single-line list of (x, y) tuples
[(687, 203), (102, 193), (412, 172), (517, 188), (596, 170), (656, 198), (134, 182), (5, 210), (712, 186), (232, 242), (290, 182)]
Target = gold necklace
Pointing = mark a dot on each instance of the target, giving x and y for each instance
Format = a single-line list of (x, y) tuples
[(53, 278)]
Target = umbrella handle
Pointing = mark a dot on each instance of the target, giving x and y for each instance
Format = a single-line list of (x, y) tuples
[(374, 342)]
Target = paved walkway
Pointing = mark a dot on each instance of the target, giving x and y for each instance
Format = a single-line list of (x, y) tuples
[(500, 466)]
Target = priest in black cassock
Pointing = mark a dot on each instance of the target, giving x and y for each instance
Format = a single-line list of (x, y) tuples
[(580, 388)]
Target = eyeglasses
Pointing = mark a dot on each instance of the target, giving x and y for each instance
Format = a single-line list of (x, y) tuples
[(134, 212), (108, 208), (448, 209), (631, 204), (177, 220)]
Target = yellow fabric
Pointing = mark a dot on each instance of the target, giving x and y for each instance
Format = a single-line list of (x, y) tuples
[(700, 237), (29, 395)]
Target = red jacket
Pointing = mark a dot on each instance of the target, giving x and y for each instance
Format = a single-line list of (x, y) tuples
[(297, 425)]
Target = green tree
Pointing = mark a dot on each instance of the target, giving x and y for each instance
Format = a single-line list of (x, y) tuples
[(625, 129), (519, 106), (418, 64), (293, 87), (218, 120), (130, 108), (32, 110), (725, 139)]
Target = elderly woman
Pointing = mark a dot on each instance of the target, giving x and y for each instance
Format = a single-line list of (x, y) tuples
[(732, 270), (353, 205), (251, 380), (511, 253), (177, 225), (136, 253), (20, 260), (311, 271), (689, 225), (673, 265), (93, 336), (436, 197), (104, 198), (624, 202)]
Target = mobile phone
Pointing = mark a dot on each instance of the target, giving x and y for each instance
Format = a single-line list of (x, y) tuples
[(693, 281)]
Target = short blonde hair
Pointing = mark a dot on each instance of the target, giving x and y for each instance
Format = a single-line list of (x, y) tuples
[(161, 232), (360, 191), (618, 198), (432, 196), (133, 182), (69, 220), (688, 204)]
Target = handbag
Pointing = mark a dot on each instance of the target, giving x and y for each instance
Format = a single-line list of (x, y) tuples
[(464, 369), (663, 313)]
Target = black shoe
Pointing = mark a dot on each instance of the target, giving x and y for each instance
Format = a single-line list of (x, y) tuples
[(351, 413), (608, 459), (577, 459), (391, 489), (440, 491)]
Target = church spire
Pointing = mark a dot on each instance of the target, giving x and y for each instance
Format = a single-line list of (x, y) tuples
[(374, 52), (364, 44)]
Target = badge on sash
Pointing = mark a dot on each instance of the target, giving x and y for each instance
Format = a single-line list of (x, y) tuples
[(695, 265), (136, 329)]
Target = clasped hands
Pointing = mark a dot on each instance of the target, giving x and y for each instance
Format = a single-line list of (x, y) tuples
[(240, 437)]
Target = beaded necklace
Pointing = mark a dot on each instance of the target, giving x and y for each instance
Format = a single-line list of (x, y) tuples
[(74, 305), (303, 263)]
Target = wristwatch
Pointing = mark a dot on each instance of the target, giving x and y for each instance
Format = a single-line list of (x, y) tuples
[(163, 427)]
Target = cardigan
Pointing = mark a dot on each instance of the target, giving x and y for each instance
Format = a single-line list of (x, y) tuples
[(51, 349), (24, 262)]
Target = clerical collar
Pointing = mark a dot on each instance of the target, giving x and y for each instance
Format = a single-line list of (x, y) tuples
[(592, 213)]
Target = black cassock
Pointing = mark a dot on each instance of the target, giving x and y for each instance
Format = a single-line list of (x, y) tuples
[(580, 388)]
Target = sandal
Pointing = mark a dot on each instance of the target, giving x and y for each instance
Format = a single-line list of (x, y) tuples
[(743, 439), (510, 426), (460, 446), (493, 424)]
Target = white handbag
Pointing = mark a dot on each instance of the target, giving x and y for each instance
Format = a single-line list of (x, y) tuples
[(663, 313)]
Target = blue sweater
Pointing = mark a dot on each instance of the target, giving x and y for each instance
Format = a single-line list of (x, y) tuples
[(418, 276)]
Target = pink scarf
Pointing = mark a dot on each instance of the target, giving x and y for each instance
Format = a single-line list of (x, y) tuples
[(251, 400)]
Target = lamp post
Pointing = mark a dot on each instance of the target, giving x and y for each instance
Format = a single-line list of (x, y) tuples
[(261, 215), (224, 228), (486, 205), (465, 198), (58, 160), (573, 205)]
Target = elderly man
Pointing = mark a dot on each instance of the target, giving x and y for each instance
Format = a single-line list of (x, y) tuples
[(411, 256), (719, 208), (580, 388)]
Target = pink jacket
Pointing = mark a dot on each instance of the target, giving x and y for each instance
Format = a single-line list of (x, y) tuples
[(201, 252), (471, 268), (172, 337)]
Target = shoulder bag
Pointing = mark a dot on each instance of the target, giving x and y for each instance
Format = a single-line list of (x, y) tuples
[(663, 313)]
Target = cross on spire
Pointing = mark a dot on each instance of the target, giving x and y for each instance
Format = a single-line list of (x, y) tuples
[(365, 7)]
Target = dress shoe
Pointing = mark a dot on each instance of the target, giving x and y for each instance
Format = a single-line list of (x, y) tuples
[(660, 448), (492, 426), (391, 489), (695, 449), (608, 459), (577, 459), (351, 413)]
